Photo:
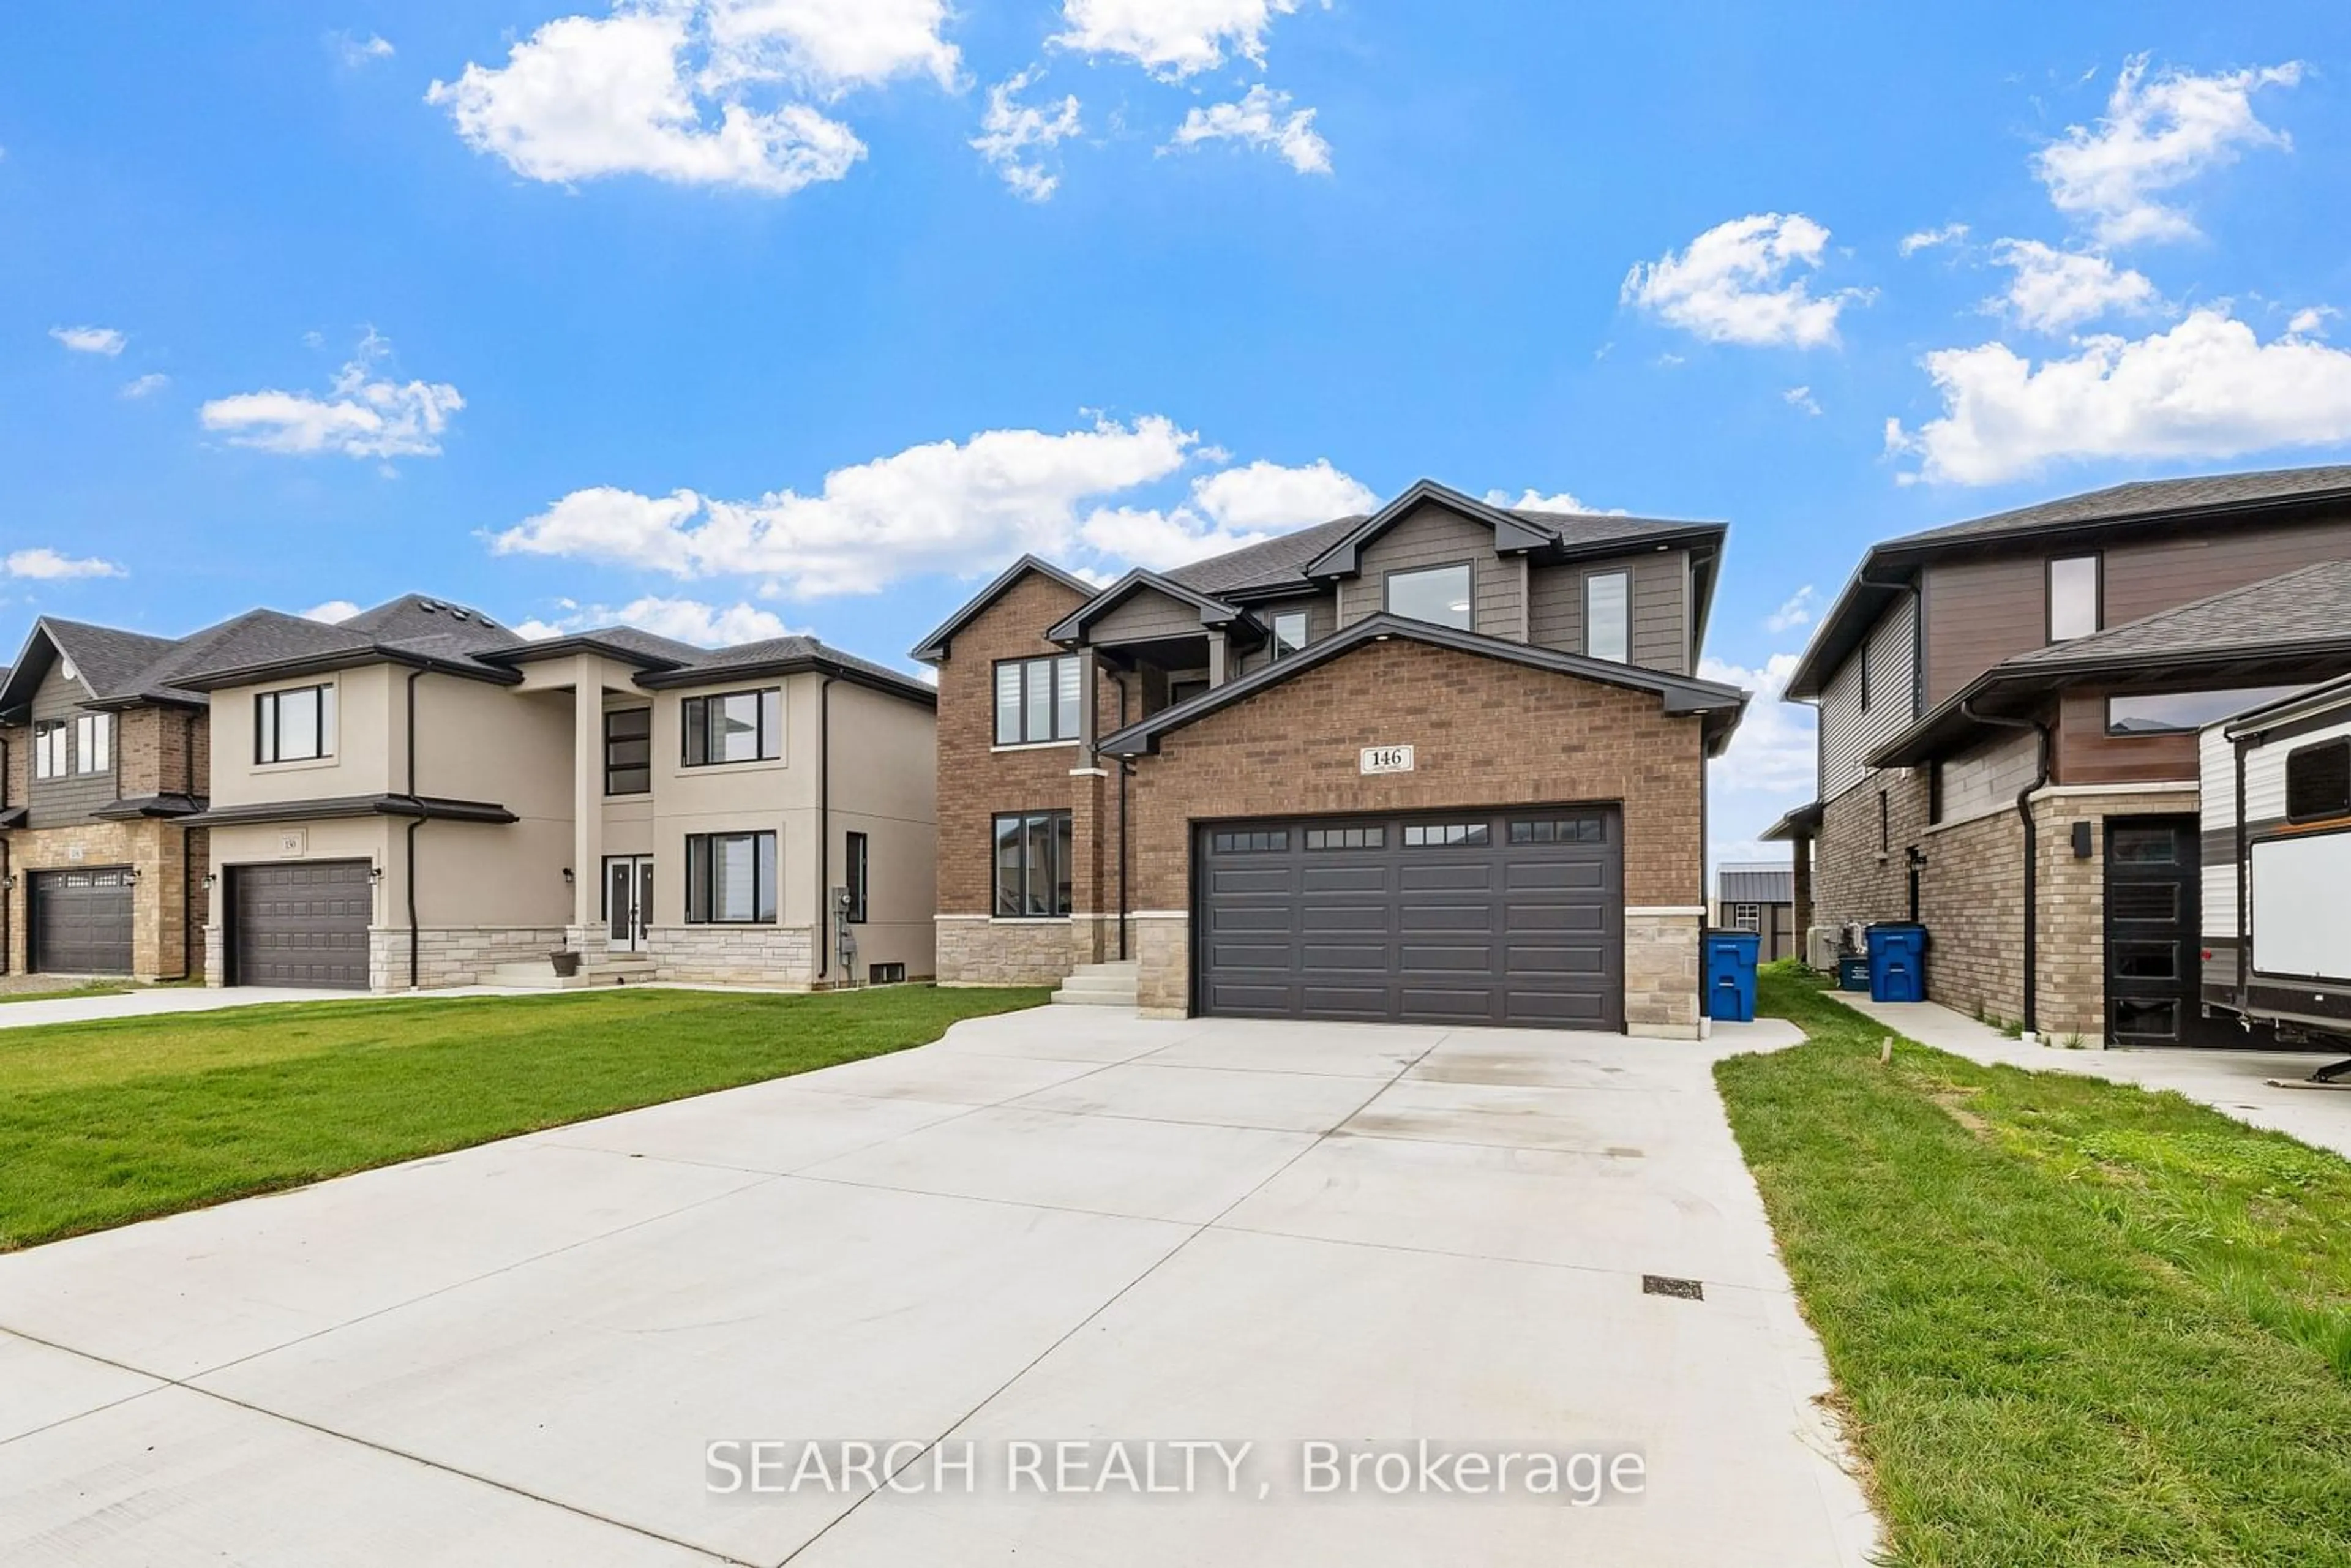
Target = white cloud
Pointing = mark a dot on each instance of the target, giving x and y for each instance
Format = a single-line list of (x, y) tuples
[(2055, 290), (940, 507), (681, 620), (1795, 610), (1010, 129), (829, 46), (2158, 133), (1770, 767), (2205, 389), (43, 564), (333, 610), (1227, 510), (1173, 38), (143, 386), (2310, 321), (1928, 239), (355, 50), (1802, 398), (1734, 284), (585, 96), (362, 415), (1262, 118), (1533, 501), (90, 339)]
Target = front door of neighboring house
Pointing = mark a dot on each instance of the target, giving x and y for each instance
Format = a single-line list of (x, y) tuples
[(2153, 954), (628, 901)]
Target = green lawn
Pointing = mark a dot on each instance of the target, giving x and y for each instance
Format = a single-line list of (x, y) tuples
[(2072, 1322), (87, 989), (104, 1122)]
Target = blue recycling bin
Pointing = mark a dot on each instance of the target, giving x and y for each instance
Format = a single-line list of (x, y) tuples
[(1898, 963), (1730, 974)]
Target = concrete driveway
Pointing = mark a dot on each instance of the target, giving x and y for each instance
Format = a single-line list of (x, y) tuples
[(1066, 1226)]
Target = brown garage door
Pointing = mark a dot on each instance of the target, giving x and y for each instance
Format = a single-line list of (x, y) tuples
[(300, 925), (81, 921), (1472, 917)]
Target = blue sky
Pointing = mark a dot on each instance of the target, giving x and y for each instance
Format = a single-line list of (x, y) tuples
[(760, 314)]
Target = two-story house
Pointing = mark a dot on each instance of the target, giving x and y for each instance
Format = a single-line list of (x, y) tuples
[(1445, 763), (102, 770), (2008, 710), (418, 796)]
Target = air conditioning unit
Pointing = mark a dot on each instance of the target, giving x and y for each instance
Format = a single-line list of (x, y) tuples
[(1821, 948)]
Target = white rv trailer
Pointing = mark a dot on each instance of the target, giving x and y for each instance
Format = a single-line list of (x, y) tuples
[(2277, 866)]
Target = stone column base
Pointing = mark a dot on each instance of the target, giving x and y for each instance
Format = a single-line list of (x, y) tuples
[(1662, 972), (973, 950), (1162, 943)]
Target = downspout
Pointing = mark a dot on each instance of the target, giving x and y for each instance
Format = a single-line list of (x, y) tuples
[(415, 931), (7, 893), (823, 827), (1704, 791), (1125, 770), (187, 874), (2032, 850)]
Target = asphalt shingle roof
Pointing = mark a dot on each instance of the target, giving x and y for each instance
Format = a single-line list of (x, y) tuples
[(2312, 604), (106, 657), (1281, 562), (2118, 503)]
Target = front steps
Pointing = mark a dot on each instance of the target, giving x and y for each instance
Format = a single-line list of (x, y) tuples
[(1099, 985), (595, 969)]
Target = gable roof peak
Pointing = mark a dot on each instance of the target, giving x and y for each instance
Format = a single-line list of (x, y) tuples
[(933, 648)]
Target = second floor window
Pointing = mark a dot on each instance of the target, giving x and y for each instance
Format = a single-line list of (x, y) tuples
[(2073, 608), (735, 727), (49, 748), (1288, 632), (730, 879), (93, 743), (1037, 700), (1437, 594), (629, 751), (295, 725), (1608, 616)]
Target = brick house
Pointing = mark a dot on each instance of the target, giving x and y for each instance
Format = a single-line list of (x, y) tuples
[(1443, 763), (2009, 709), (417, 796)]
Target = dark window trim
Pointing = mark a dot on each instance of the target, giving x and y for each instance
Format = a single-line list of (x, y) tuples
[(92, 725), (1584, 587), (1278, 648), (1885, 823), (1053, 699), (687, 728), (857, 874), (64, 750), (698, 886), (1053, 879), (2331, 810), (1389, 575), (646, 766), (272, 701), (1935, 791), (2049, 595), (1862, 658), (2106, 707)]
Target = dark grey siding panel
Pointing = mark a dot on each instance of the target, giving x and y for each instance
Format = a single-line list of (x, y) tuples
[(1437, 536), (1661, 608), (1144, 615), (56, 802), (1850, 732), (1321, 620)]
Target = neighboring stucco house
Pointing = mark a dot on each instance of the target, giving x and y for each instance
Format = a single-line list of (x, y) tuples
[(1445, 763), (103, 772), (2009, 709), (418, 796)]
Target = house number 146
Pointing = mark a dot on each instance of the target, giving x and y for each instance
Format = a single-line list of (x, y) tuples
[(1387, 759)]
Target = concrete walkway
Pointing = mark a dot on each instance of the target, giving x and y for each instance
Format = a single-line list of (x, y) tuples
[(2235, 1082), (1064, 1225), (160, 1000)]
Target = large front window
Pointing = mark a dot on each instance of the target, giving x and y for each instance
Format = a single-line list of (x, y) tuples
[(1437, 594), (1608, 616), (49, 748), (1033, 856), (629, 751), (735, 727), (2073, 608), (730, 879), (1037, 700), (295, 725), (93, 743)]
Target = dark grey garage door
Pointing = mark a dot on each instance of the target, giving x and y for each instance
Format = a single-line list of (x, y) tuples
[(81, 921), (1473, 917), (300, 925)]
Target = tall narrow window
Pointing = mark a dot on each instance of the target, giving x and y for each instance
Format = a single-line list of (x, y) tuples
[(735, 727), (1288, 632), (628, 751), (1435, 593), (730, 879), (1885, 823), (2073, 594), (295, 725), (1608, 616), (854, 873), (49, 748), (93, 742), (1039, 700)]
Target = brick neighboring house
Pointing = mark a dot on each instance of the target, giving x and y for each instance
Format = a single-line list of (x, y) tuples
[(417, 796), (2009, 709), (104, 769), (1442, 763)]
